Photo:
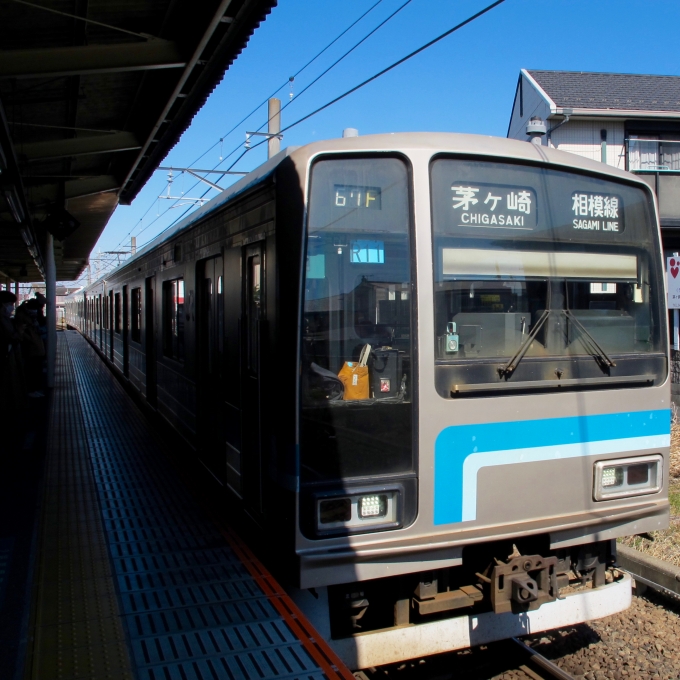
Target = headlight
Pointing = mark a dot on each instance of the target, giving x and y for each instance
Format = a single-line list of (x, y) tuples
[(358, 510), (627, 477), (372, 506)]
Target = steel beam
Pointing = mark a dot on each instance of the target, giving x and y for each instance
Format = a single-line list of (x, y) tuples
[(79, 146), (89, 59)]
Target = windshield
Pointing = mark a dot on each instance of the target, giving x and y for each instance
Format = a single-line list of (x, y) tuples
[(356, 326), (541, 275)]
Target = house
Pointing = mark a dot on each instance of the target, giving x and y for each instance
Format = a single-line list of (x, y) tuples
[(625, 120)]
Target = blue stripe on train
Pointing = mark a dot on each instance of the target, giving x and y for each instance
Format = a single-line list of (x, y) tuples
[(456, 443)]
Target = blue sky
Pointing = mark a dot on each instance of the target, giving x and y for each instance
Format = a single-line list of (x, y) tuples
[(465, 83)]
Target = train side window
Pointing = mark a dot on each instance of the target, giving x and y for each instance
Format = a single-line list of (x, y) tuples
[(136, 314), (173, 319), (117, 313)]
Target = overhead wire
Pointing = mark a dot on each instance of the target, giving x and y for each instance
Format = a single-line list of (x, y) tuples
[(224, 136), (321, 75), (335, 63), (231, 153), (392, 66), (396, 63), (377, 75), (295, 75)]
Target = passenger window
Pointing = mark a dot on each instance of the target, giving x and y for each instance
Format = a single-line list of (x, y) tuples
[(254, 309), (117, 313), (220, 314), (173, 319), (136, 314)]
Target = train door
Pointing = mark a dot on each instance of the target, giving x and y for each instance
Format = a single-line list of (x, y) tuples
[(211, 394), (253, 328), (125, 334), (150, 340), (233, 366)]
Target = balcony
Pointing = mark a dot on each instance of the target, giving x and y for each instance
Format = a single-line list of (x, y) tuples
[(657, 161)]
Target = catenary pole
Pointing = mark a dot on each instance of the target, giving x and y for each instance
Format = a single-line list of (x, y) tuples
[(274, 117)]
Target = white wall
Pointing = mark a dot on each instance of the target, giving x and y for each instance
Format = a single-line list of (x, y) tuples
[(582, 137)]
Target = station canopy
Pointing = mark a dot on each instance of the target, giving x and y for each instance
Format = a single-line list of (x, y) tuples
[(93, 95)]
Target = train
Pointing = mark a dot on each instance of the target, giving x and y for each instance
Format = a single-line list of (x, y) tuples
[(430, 369)]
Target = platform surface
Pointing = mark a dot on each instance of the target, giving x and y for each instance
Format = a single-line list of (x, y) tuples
[(133, 578)]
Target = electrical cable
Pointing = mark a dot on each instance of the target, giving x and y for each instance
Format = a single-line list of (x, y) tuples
[(357, 87), (335, 63), (395, 64), (295, 75), (392, 66)]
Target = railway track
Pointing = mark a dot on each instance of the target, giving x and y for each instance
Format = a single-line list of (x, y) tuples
[(537, 666)]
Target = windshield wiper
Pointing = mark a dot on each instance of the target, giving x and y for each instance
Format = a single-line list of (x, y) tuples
[(592, 346), (508, 369), (595, 349)]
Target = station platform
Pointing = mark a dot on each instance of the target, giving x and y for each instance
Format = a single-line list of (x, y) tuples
[(134, 578)]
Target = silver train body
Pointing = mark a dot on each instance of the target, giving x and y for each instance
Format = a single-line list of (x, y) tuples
[(495, 312)]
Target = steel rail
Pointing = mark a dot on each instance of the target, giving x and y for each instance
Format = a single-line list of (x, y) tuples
[(544, 664)]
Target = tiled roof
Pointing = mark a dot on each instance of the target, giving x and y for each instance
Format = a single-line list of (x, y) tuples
[(576, 89)]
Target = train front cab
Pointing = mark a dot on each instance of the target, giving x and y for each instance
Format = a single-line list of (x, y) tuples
[(513, 417)]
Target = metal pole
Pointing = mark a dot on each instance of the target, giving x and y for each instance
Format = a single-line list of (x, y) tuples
[(133, 245), (16, 289), (274, 110), (676, 324), (51, 311)]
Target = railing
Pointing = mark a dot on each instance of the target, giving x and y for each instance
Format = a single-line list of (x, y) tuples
[(653, 155)]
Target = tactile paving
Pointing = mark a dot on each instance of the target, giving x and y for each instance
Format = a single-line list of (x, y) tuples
[(191, 608), (76, 628)]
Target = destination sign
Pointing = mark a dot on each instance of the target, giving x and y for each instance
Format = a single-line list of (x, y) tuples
[(347, 196), (487, 206), (474, 199), (597, 212)]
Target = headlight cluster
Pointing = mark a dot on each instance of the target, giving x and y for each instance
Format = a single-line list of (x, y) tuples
[(358, 510), (627, 477)]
